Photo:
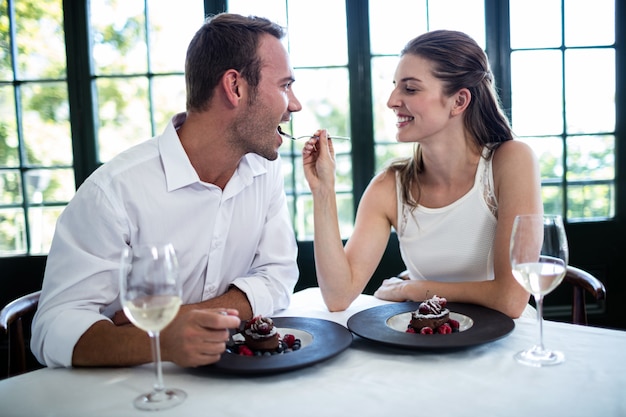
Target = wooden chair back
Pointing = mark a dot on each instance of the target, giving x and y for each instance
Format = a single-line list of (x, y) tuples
[(583, 282), (12, 318)]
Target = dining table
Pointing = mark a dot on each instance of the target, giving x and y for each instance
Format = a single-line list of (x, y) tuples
[(367, 378)]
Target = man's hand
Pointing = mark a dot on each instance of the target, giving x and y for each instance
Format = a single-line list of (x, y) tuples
[(120, 319), (198, 337)]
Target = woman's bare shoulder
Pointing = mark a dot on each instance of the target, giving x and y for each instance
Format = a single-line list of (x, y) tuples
[(381, 193), (512, 147), (383, 182), (513, 152), (517, 179)]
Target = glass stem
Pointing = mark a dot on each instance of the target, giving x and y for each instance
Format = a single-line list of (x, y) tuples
[(539, 302), (156, 356)]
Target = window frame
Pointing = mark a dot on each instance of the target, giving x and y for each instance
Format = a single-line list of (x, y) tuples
[(81, 94), (359, 69)]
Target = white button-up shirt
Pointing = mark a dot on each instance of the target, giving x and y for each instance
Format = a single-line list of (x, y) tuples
[(240, 236)]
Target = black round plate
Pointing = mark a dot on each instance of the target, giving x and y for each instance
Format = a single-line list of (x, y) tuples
[(489, 325), (329, 339)]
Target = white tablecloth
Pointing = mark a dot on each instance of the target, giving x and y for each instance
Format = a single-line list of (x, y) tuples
[(365, 380)]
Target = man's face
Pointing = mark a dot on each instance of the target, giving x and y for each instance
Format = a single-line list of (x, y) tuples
[(270, 104)]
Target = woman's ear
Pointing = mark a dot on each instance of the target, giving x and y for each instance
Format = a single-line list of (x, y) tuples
[(462, 101)]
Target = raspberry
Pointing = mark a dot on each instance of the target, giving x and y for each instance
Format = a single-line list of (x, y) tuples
[(444, 329), (289, 339), (263, 328), (410, 330), (426, 330), (454, 324), (424, 309), (250, 322), (245, 351)]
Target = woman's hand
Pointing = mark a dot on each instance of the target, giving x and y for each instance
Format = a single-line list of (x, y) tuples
[(393, 289), (318, 158)]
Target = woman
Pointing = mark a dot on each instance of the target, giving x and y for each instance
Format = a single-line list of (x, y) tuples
[(452, 203)]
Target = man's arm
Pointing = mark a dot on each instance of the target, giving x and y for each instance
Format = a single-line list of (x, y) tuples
[(196, 337), (233, 298)]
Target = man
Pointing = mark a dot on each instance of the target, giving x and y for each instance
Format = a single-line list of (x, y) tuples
[(212, 185)]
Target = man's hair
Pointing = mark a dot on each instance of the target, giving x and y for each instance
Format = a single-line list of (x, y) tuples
[(225, 41)]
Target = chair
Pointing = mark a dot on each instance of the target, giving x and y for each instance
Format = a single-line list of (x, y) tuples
[(581, 281), (12, 317)]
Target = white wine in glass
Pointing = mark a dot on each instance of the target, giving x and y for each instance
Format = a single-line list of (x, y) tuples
[(539, 256), (151, 294)]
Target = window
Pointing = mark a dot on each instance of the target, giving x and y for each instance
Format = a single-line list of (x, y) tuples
[(123, 80), (138, 54), (36, 174), (563, 101)]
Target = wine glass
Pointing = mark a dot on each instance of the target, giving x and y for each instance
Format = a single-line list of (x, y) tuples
[(539, 256), (151, 294)]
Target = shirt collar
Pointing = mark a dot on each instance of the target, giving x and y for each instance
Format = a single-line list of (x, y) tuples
[(250, 166), (180, 173), (178, 169)]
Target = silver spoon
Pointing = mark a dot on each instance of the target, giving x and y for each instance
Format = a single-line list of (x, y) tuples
[(287, 135)]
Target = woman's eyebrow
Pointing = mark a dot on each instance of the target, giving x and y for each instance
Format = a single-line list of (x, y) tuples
[(407, 79)]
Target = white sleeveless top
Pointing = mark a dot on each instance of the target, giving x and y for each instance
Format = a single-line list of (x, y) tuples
[(452, 243)]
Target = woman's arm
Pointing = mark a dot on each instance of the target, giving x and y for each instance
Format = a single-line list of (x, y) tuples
[(517, 183), (342, 274)]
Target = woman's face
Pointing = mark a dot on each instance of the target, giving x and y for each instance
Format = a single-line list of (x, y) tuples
[(421, 108)]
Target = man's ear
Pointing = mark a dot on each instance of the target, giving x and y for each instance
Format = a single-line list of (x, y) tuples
[(462, 101), (233, 86)]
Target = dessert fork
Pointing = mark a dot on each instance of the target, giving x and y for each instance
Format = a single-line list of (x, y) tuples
[(287, 135)]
